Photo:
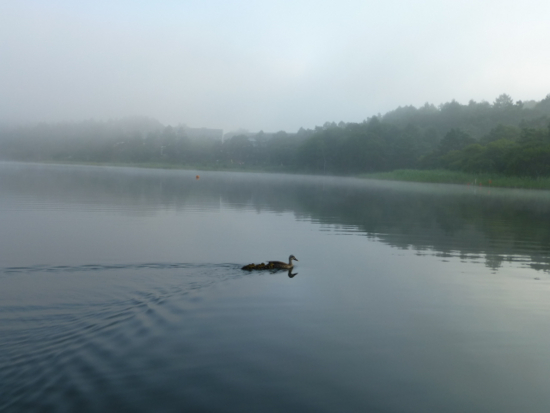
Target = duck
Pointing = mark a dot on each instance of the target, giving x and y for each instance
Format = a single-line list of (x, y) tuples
[(282, 265)]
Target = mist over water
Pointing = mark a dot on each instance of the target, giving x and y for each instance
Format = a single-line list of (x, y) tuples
[(121, 289)]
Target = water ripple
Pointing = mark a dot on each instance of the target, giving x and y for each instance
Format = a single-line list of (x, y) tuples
[(109, 267), (65, 353)]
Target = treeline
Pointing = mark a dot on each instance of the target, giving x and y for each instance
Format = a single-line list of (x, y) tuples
[(143, 140), (504, 137), (506, 150)]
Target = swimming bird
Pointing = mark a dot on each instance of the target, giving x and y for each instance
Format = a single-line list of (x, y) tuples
[(282, 265)]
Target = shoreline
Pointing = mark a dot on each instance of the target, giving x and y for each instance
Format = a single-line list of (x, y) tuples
[(439, 176), (442, 176)]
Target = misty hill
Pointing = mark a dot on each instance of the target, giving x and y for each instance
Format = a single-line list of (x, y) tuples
[(475, 118), (504, 137), (133, 139)]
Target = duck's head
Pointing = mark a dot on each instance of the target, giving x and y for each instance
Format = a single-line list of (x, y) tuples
[(292, 257)]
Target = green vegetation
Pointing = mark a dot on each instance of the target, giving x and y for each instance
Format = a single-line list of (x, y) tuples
[(503, 139), (506, 150), (463, 178)]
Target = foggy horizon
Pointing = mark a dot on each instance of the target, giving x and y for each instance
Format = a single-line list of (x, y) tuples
[(271, 66), (146, 118)]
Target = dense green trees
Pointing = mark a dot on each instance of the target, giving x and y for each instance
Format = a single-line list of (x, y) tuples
[(503, 137), (505, 150), (365, 147)]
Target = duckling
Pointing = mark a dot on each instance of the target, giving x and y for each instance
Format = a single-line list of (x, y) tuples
[(282, 265)]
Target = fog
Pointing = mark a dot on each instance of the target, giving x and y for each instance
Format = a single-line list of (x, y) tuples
[(271, 65)]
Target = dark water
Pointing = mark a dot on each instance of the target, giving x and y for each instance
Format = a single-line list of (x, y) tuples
[(121, 290)]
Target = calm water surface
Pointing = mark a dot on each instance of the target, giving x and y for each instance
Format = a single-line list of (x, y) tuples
[(121, 290)]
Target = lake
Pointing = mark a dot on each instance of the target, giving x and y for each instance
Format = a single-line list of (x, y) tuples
[(121, 289)]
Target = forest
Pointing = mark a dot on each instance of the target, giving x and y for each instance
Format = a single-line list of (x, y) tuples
[(503, 137)]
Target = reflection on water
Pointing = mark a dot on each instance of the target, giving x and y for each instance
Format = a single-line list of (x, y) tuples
[(471, 223), (122, 290)]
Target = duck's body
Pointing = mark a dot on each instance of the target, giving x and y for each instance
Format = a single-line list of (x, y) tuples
[(282, 265), (272, 265)]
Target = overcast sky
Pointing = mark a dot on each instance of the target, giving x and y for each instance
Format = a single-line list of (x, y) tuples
[(265, 65)]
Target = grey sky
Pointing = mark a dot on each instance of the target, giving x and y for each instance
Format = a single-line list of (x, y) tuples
[(271, 65)]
